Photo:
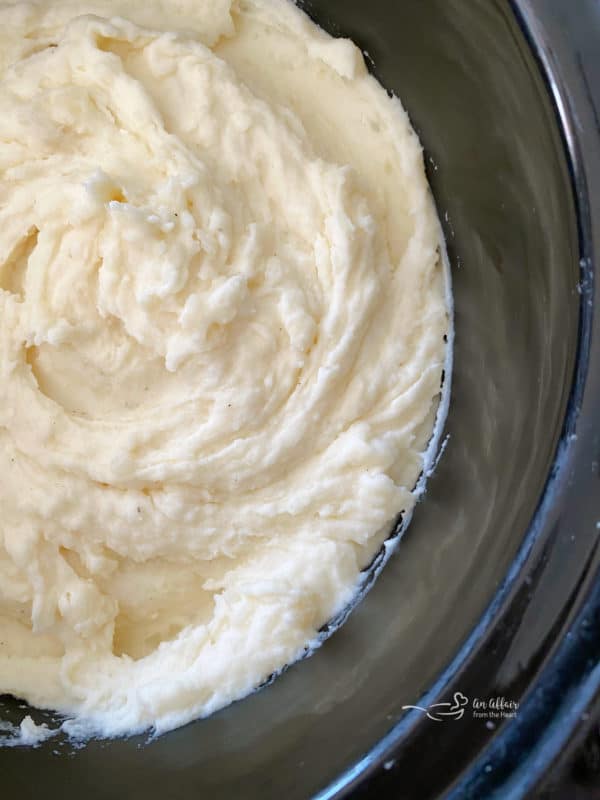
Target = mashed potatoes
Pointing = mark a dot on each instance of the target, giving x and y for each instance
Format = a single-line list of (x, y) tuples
[(222, 334)]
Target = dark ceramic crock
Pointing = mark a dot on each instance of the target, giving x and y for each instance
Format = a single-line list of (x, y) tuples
[(494, 590)]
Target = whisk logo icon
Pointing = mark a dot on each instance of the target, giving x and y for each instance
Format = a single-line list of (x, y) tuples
[(439, 712)]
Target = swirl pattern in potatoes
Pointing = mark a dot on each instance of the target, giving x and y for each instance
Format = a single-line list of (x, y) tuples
[(223, 323)]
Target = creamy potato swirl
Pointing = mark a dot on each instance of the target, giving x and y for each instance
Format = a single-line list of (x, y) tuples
[(221, 344)]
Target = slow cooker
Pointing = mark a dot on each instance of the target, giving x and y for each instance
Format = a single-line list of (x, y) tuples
[(491, 604)]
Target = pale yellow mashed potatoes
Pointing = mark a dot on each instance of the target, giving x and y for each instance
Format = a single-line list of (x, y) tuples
[(222, 333)]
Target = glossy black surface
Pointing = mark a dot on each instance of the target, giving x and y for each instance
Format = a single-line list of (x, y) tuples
[(503, 183)]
